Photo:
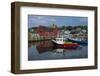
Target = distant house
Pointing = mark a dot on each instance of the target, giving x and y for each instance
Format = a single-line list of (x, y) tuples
[(78, 29), (47, 31), (67, 32), (84, 31)]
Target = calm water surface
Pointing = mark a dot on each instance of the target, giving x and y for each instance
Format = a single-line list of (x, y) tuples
[(44, 50)]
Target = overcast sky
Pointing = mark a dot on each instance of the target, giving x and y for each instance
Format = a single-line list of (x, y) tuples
[(36, 20)]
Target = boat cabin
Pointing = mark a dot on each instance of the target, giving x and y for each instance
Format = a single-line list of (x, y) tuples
[(59, 40)]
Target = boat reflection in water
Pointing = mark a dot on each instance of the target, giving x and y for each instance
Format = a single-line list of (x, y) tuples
[(45, 50)]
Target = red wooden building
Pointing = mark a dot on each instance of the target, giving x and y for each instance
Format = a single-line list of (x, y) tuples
[(47, 32)]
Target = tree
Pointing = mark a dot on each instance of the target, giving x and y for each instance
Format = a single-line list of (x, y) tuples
[(63, 27), (69, 28)]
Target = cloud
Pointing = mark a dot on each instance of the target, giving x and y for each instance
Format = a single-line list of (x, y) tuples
[(52, 20), (35, 20), (84, 19), (39, 17), (41, 20)]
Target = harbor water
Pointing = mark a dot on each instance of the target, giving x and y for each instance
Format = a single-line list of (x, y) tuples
[(44, 50)]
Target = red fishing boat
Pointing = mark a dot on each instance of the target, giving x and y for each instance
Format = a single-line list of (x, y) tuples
[(61, 43)]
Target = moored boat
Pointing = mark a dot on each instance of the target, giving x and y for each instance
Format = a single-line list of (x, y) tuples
[(60, 43), (79, 41)]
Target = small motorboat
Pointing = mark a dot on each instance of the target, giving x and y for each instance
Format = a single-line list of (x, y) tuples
[(61, 43), (79, 41)]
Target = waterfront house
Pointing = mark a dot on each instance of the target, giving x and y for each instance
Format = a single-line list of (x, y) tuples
[(47, 32)]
